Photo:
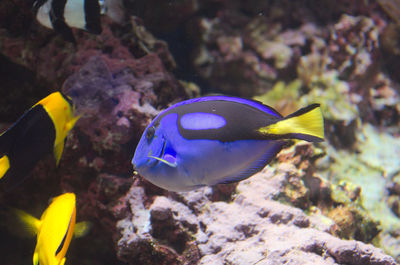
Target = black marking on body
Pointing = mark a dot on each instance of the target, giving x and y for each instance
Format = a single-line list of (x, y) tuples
[(58, 21), (92, 16), (150, 134), (303, 110), (57, 9), (242, 120), (60, 247), (67, 99), (30, 138)]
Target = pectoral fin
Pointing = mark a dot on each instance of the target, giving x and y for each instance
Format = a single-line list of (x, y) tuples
[(82, 228), (30, 224), (71, 123), (4, 165)]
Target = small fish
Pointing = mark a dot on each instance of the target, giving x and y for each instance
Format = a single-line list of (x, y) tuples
[(218, 139), (54, 230), (62, 15), (39, 131)]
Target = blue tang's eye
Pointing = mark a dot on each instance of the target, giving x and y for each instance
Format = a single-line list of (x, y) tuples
[(150, 133)]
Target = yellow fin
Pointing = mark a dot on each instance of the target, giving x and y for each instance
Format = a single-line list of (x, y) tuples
[(58, 149), (71, 123), (31, 224), (305, 124), (82, 229), (4, 165), (36, 258), (62, 262)]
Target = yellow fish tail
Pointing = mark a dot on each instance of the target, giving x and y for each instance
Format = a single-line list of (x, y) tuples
[(31, 224), (4, 165), (305, 124)]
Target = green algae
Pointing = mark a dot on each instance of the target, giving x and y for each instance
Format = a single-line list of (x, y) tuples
[(328, 90), (274, 96), (359, 175), (334, 97), (370, 169)]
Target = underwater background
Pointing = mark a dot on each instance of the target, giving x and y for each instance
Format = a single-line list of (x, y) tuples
[(336, 202)]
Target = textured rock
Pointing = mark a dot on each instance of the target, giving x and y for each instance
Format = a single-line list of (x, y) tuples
[(117, 87), (330, 52), (250, 228)]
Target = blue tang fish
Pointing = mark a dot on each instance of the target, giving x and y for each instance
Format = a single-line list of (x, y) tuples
[(218, 139)]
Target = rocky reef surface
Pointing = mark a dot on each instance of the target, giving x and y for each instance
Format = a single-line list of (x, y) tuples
[(253, 223), (331, 203)]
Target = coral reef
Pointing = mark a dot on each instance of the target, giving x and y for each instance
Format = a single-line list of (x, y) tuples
[(117, 81), (252, 228), (331, 203)]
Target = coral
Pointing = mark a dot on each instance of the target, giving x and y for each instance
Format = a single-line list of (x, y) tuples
[(352, 44), (285, 105), (334, 93), (254, 56), (252, 228), (330, 75), (142, 232), (53, 60), (115, 101), (348, 219), (117, 86), (309, 206), (391, 7), (368, 170)]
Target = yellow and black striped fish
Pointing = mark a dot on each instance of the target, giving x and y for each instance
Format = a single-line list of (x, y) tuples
[(39, 131)]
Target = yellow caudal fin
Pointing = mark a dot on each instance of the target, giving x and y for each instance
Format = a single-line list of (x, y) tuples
[(4, 165), (305, 124), (30, 224), (82, 229)]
